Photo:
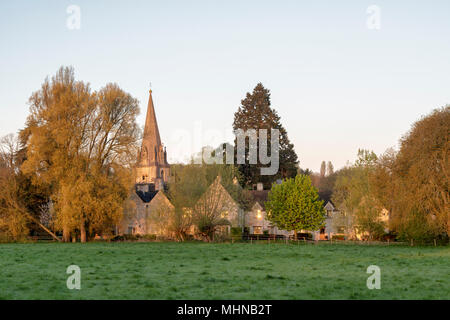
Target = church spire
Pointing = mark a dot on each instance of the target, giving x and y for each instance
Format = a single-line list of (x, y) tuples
[(152, 163), (151, 138)]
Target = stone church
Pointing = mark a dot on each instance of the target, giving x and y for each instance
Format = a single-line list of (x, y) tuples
[(151, 176)]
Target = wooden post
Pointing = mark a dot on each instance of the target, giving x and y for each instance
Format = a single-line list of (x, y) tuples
[(435, 242)]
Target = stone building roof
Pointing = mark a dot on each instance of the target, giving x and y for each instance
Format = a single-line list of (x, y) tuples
[(329, 206), (146, 192)]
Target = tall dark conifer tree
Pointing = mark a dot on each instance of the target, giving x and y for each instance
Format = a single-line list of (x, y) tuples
[(255, 112)]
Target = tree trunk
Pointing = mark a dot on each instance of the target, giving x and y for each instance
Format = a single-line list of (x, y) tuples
[(66, 234), (83, 232)]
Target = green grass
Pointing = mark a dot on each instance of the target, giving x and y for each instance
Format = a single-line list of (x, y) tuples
[(222, 271)]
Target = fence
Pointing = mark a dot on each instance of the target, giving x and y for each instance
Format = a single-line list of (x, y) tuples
[(265, 238)]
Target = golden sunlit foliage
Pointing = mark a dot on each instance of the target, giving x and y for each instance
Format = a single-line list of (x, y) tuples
[(421, 176), (81, 144), (354, 196), (411, 184)]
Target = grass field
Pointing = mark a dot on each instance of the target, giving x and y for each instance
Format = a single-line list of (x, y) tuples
[(222, 271)]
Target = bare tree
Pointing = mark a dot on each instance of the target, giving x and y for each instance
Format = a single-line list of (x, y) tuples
[(330, 168), (323, 169), (211, 211)]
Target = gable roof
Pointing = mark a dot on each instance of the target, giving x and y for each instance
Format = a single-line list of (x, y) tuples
[(217, 188), (257, 206), (161, 199), (329, 206)]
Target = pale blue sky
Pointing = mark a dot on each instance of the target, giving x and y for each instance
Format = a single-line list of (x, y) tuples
[(336, 84)]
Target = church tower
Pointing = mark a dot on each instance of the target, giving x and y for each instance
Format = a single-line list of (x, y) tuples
[(152, 165)]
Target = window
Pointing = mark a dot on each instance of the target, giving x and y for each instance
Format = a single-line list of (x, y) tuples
[(257, 230), (224, 230)]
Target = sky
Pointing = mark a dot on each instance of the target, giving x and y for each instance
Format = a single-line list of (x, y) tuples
[(341, 75)]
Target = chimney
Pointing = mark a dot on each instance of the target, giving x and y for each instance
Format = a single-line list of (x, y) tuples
[(259, 186)]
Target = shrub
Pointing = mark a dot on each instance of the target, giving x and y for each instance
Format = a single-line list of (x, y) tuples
[(236, 233), (117, 238), (304, 235), (149, 237), (126, 237), (338, 237)]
